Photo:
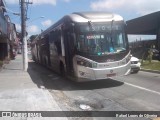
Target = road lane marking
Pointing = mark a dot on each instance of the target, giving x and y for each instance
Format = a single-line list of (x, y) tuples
[(136, 86), (158, 118)]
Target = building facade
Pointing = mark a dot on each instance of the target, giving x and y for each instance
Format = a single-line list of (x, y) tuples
[(146, 25), (3, 33), (8, 36)]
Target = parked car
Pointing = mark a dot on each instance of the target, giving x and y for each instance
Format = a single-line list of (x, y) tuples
[(156, 54), (135, 65)]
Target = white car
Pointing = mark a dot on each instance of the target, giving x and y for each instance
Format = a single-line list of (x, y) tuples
[(135, 65)]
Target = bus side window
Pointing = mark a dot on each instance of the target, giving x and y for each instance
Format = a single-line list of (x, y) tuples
[(58, 41), (80, 43)]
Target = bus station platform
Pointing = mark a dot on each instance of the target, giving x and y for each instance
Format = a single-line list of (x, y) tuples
[(18, 92)]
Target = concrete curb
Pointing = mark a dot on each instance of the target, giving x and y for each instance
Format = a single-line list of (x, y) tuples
[(148, 70), (2, 67), (4, 64)]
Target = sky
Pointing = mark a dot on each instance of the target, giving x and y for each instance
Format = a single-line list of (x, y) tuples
[(43, 13)]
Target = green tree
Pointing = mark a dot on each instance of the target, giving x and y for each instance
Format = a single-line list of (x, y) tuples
[(32, 37), (150, 54)]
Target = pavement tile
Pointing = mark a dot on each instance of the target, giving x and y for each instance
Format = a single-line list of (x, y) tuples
[(18, 92)]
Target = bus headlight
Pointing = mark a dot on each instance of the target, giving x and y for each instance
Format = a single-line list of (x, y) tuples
[(86, 63), (94, 65)]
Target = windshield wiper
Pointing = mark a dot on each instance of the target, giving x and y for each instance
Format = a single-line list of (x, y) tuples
[(91, 25)]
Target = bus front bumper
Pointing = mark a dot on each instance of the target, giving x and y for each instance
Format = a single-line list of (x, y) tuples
[(89, 74)]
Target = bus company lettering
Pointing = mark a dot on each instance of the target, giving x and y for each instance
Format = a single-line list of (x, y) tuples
[(95, 28)]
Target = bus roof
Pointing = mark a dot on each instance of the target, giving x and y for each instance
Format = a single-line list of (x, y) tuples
[(85, 17), (94, 16)]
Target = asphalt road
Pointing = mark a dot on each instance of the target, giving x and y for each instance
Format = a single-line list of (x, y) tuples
[(135, 92)]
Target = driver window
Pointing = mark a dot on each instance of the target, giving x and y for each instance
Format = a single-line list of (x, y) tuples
[(80, 43)]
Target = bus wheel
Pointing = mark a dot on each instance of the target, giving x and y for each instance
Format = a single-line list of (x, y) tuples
[(62, 70)]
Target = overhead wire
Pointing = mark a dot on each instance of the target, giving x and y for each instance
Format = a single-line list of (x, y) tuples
[(10, 12)]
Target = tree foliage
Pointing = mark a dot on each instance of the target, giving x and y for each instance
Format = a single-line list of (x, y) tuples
[(32, 37)]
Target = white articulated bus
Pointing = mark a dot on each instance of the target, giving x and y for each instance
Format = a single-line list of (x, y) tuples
[(85, 46)]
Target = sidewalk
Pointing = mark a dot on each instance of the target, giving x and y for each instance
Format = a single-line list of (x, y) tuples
[(152, 71), (18, 92)]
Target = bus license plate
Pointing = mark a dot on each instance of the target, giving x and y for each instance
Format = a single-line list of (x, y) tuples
[(111, 75)]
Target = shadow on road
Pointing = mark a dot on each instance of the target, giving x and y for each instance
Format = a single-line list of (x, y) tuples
[(50, 80)]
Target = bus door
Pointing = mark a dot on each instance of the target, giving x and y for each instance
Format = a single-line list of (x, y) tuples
[(38, 52), (55, 49), (47, 47), (69, 50)]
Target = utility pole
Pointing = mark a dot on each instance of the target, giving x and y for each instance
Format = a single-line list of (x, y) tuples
[(23, 32)]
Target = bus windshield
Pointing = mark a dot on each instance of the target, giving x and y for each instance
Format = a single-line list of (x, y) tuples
[(98, 42)]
